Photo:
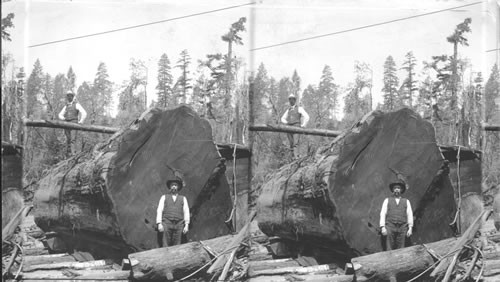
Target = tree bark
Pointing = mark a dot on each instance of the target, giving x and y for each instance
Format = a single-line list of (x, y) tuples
[(402, 264), (179, 261), (332, 200), (105, 201)]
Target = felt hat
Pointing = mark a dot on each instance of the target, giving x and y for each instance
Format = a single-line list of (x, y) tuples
[(292, 96), (400, 184), (176, 180)]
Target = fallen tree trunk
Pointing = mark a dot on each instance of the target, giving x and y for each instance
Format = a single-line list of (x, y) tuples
[(14, 222), (77, 275), (332, 200), (294, 129), (105, 201), (402, 264), (176, 261), (70, 125)]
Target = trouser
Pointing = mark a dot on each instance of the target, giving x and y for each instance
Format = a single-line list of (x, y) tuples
[(396, 235), (173, 232), (70, 139), (293, 140)]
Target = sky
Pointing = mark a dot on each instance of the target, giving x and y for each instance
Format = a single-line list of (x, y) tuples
[(270, 22)]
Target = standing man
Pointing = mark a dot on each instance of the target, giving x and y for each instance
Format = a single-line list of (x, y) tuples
[(72, 112), (172, 215), (294, 116), (396, 217)]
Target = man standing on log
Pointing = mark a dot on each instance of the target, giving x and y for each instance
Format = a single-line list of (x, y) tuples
[(396, 217), (72, 112), (294, 116), (172, 215)]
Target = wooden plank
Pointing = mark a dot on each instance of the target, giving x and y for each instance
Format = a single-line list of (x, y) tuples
[(77, 275), (296, 270), (491, 268), (96, 264), (48, 259), (308, 277)]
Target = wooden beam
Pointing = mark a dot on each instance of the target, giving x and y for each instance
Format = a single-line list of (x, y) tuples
[(293, 129), (70, 125)]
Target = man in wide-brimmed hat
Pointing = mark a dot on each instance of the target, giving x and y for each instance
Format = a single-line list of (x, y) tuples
[(172, 215), (294, 116), (396, 217), (72, 112)]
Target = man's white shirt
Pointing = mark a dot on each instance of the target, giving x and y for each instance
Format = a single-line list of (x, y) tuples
[(79, 108), (303, 114)]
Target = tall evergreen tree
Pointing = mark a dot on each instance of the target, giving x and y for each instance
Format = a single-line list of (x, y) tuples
[(296, 83), (61, 85), (71, 76), (103, 88), (391, 82), (355, 103), (261, 94), (165, 81), (410, 83), (7, 23), (34, 87), (457, 38), (328, 91), (492, 96), (184, 82)]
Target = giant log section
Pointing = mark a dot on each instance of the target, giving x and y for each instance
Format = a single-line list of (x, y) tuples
[(332, 200), (105, 201)]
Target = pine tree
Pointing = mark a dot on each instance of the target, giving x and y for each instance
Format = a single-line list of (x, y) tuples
[(410, 84), (34, 91), (492, 96), (328, 90), (71, 76), (165, 80), (261, 93), (296, 83), (457, 38), (391, 82), (103, 89), (184, 81)]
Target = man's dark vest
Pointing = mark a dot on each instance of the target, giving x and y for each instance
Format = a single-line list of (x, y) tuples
[(173, 210), (71, 113), (396, 213), (293, 115)]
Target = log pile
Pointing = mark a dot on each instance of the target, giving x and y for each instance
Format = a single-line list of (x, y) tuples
[(112, 193)]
